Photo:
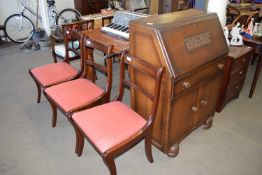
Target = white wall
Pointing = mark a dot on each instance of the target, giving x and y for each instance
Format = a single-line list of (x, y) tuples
[(8, 7)]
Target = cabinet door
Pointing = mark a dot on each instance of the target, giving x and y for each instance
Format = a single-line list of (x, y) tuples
[(182, 116), (208, 97)]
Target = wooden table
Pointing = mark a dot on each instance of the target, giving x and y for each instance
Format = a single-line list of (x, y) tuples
[(257, 45), (98, 36)]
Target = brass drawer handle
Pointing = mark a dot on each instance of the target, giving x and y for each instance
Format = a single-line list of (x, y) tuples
[(194, 108), (186, 85), (220, 66), (204, 102), (241, 72), (237, 87)]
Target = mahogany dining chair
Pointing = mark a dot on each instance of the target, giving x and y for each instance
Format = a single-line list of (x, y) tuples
[(113, 128), (51, 74)]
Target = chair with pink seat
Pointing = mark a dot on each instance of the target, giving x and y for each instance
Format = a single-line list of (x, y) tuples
[(113, 128), (55, 73), (83, 93)]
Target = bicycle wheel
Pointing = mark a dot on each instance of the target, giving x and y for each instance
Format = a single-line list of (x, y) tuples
[(67, 16), (19, 28)]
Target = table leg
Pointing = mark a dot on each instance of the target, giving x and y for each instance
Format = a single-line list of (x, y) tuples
[(258, 69)]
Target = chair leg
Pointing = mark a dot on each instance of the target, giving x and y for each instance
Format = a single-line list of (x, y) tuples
[(110, 163), (148, 149), (54, 111), (79, 142), (38, 93)]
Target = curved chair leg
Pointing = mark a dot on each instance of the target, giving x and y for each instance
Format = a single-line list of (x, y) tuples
[(39, 92), (79, 142), (54, 110), (148, 149), (110, 163), (38, 87)]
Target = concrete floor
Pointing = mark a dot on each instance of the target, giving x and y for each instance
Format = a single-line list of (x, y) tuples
[(30, 146)]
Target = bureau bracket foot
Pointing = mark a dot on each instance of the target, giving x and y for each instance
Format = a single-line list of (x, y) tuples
[(173, 150), (208, 123)]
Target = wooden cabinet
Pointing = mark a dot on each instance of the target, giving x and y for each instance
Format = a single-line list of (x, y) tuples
[(194, 57), (235, 73), (86, 7)]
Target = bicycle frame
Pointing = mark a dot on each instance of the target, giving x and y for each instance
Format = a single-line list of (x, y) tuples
[(26, 7)]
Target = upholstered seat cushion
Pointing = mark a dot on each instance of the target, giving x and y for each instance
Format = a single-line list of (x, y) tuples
[(75, 93), (60, 50), (53, 73), (109, 124)]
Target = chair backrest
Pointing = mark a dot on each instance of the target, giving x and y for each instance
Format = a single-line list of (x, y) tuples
[(80, 25), (151, 72), (244, 19), (107, 20), (63, 34), (73, 43), (92, 64)]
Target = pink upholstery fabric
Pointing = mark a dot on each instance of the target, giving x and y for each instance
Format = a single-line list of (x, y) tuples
[(53, 73), (73, 94), (109, 124)]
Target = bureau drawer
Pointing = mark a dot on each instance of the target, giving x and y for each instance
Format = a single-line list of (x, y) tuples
[(241, 62), (233, 91), (196, 77), (237, 75)]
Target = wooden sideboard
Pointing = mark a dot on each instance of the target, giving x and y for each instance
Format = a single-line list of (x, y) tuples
[(235, 74), (86, 7), (194, 56)]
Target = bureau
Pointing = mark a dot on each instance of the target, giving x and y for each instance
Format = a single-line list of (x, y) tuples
[(235, 73), (194, 58)]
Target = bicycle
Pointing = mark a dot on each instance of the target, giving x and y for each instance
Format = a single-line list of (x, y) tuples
[(19, 27)]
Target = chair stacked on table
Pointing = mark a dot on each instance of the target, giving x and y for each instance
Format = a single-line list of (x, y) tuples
[(111, 127)]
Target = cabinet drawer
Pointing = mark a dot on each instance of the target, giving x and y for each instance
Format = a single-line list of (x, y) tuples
[(197, 77), (237, 75), (241, 62), (233, 91)]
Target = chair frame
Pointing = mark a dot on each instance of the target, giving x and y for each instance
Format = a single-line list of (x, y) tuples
[(243, 19), (134, 64), (69, 34), (79, 26), (88, 72)]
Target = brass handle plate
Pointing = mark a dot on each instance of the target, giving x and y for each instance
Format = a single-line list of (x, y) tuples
[(186, 85), (194, 108), (220, 66), (204, 102)]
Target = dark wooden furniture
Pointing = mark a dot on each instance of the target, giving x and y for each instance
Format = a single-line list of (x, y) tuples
[(3, 36), (257, 45), (235, 73), (86, 7), (194, 57), (114, 128)]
